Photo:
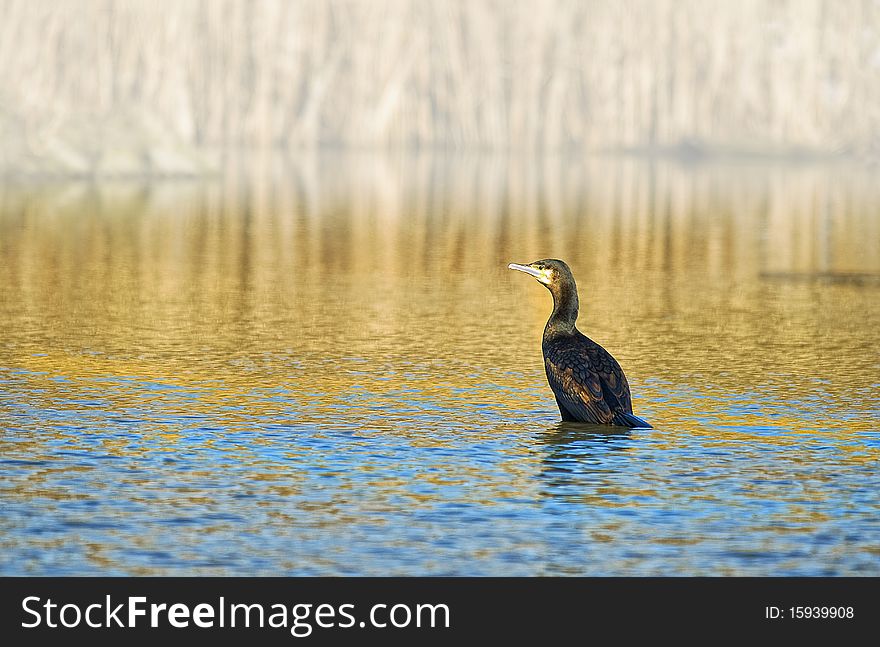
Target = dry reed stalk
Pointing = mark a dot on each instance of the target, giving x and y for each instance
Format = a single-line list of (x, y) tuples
[(111, 85)]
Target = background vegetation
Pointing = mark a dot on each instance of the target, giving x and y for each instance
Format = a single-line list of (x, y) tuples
[(157, 86)]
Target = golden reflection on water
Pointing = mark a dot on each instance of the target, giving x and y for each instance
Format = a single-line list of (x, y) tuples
[(774, 271), (367, 301)]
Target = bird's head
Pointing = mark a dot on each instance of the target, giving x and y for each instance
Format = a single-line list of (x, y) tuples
[(551, 272), (556, 277)]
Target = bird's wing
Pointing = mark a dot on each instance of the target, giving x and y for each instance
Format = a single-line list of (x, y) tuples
[(611, 377), (576, 384)]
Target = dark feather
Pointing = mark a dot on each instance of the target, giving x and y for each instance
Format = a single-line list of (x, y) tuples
[(587, 381)]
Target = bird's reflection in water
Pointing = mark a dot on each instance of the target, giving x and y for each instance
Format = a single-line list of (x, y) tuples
[(581, 458)]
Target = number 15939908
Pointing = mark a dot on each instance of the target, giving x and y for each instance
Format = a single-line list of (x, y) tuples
[(811, 612)]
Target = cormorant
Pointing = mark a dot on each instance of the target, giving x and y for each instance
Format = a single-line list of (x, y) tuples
[(587, 381)]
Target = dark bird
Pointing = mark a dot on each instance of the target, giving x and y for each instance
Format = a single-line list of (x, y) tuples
[(588, 383)]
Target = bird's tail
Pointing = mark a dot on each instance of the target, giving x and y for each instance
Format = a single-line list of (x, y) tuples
[(629, 420)]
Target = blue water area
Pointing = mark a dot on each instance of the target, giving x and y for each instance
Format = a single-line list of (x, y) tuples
[(174, 488)]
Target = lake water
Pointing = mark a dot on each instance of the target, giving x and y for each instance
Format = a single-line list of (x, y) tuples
[(323, 367)]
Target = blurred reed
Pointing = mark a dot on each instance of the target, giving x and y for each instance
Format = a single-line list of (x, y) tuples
[(117, 88)]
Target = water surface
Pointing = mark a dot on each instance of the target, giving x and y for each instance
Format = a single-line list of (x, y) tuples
[(323, 366)]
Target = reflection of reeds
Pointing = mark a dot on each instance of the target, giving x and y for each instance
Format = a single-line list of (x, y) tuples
[(401, 263), (384, 219), (159, 78), (416, 213)]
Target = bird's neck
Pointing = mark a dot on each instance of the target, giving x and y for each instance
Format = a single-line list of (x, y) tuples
[(565, 312)]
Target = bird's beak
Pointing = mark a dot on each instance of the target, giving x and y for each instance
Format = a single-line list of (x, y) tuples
[(528, 269)]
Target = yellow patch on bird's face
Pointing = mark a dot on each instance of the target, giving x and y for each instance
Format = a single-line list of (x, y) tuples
[(546, 276)]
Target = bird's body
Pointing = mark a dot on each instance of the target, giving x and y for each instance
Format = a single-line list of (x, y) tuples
[(587, 381)]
